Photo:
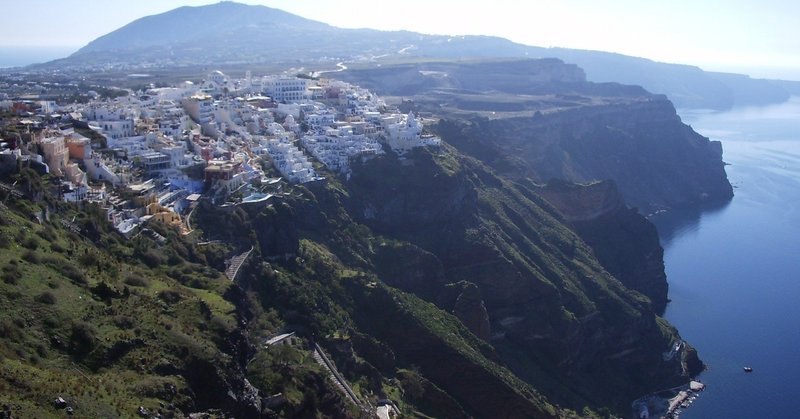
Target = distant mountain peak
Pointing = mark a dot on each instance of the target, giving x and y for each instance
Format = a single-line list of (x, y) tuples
[(190, 24)]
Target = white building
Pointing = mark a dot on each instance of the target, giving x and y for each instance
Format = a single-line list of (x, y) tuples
[(404, 132), (320, 119), (218, 82), (336, 147), (200, 108), (105, 171), (286, 89), (290, 161)]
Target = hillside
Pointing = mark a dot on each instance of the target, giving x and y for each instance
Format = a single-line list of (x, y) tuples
[(112, 326), (435, 266), (442, 227), (233, 34)]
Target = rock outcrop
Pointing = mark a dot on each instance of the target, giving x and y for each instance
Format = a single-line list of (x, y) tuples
[(625, 243), (464, 300)]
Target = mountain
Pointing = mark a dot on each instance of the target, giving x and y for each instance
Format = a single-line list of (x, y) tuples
[(233, 34), (197, 25)]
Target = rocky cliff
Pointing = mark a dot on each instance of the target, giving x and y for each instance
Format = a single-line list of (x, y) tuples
[(519, 76), (556, 317), (657, 161), (625, 243)]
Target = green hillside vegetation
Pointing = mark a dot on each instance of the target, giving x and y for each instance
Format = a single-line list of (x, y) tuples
[(438, 285), (110, 325), (373, 331)]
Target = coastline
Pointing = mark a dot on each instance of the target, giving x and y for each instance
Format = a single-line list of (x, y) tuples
[(669, 403)]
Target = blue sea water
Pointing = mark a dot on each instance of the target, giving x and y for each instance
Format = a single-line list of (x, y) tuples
[(734, 270), (22, 56)]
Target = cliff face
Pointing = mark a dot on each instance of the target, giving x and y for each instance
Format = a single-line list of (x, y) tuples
[(625, 243), (518, 76), (657, 161), (557, 319), (435, 264)]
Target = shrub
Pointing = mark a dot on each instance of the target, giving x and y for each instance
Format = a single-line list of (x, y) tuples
[(31, 243), (47, 234), (31, 257), (57, 247), (83, 338), (152, 258), (51, 322), (8, 330), (174, 259), (88, 259), (198, 283), (136, 280), (11, 273), (46, 297), (10, 279), (123, 322), (221, 325), (71, 271), (171, 296), (41, 349)]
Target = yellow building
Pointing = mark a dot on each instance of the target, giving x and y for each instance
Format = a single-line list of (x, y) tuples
[(162, 214)]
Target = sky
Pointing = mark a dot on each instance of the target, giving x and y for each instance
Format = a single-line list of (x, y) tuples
[(760, 38)]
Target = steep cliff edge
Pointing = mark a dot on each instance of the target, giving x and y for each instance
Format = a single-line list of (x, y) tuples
[(557, 319), (656, 161), (625, 243)]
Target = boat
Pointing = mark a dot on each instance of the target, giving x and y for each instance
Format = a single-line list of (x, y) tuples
[(748, 369)]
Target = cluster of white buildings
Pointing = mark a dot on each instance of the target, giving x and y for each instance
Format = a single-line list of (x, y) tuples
[(228, 130), (336, 147)]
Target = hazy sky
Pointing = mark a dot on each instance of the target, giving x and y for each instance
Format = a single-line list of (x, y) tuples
[(761, 38)]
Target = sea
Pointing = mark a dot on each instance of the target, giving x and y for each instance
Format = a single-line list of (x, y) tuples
[(734, 269), (22, 56)]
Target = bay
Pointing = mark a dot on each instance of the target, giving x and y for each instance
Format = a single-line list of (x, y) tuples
[(734, 270)]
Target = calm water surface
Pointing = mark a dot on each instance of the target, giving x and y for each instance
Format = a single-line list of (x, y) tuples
[(21, 56), (734, 270)]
